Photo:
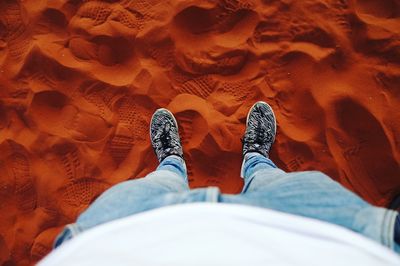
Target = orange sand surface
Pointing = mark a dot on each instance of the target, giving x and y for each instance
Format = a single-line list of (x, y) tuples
[(79, 81)]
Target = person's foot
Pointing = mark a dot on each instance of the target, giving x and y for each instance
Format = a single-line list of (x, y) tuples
[(164, 134), (395, 203), (260, 129)]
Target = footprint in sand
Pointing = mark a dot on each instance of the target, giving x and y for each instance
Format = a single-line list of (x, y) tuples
[(365, 152), (296, 155), (99, 16), (379, 23), (386, 9), (121, 143), (134, 113), (109, 28), (51, 20), (68, 159), (43, 243), (17, 176), (299, 121), (56, 114), (14, 29), (43, 231), (201, 86), (212, 40), (229, 96), (82, 192), (108, 51), (187, 121)]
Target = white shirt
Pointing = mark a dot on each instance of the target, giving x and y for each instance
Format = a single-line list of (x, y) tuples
[(219, 234)]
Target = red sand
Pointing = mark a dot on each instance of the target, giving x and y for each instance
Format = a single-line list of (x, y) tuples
[(79, 81)]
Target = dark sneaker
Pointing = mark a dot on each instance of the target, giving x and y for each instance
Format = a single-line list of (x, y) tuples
[(260, 129), (395, 203), (164, 135)]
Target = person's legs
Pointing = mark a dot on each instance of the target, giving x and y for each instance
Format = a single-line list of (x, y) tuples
[(257, 171), (132, 196), (157, 189), (315, 195), (137, 195), (311, 193)]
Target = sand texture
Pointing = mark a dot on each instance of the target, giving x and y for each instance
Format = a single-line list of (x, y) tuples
[(79, 81)]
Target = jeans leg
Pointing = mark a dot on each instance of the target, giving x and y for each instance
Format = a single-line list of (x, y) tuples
[(174, 164), (132, 196), (258, 171), (315, 195)]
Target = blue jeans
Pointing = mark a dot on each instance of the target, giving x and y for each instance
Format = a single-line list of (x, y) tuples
[(310, 193)]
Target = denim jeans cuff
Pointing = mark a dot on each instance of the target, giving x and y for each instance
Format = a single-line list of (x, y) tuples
[(376, 223), (388, 224), (250, 162), (175, 164), (69, 231), (245, 162)]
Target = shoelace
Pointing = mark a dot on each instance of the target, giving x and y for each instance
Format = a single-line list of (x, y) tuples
[(165, 137), (261, 135)]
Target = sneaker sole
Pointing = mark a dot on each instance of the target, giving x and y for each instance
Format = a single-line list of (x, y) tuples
[(269, 106)]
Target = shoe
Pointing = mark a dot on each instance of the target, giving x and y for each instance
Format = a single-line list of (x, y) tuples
[(395, 203), (260, 129), (164, 135)]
